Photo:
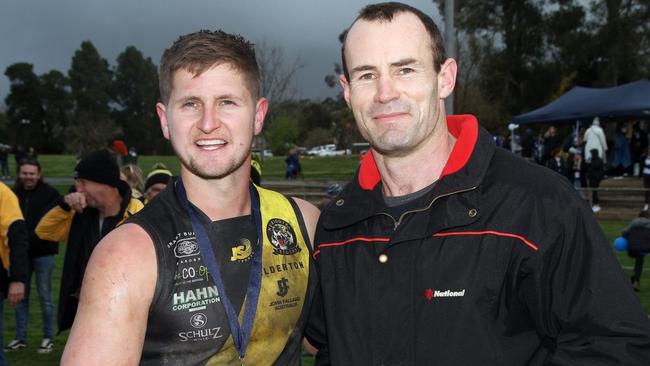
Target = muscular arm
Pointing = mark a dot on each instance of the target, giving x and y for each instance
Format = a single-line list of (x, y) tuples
[(117, 290)]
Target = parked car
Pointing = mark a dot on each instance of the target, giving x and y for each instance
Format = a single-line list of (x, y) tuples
[(325, 150)]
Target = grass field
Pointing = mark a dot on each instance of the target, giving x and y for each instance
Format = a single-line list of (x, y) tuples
[(325, 168), (342, 167)]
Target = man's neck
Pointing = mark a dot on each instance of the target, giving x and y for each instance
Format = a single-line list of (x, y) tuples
[(219, 198), (407, 174), (112, 205)]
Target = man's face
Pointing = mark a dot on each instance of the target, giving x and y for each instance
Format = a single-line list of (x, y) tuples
[(28, 176), (96, 193), (154, 189), (210, 120), (394, 92)]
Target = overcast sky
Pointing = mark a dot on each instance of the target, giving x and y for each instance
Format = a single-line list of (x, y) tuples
[(46, 33)]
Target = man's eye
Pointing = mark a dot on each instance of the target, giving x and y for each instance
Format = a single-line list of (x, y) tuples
[(367, 76), (405, 70), (190, 104), (226, 102)]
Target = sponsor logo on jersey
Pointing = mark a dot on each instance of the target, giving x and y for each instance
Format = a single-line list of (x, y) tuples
[(184, 245), (198, 320), (283, 287), (242, 252), (282, 237), (285, 303), (284, 267), (197, 335), (200, 297), (430, 294)]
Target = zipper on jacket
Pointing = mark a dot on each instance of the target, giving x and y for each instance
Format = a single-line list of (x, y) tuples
[(401, 217)]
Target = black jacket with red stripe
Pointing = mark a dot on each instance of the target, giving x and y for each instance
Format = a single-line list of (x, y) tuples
[(502, 264)]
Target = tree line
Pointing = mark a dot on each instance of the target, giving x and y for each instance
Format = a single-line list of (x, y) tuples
[(514, 56)]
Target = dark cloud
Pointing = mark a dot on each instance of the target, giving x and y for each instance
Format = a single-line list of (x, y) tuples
[(47, 33)]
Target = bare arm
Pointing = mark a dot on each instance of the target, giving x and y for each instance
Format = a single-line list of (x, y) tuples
[(310, 214), (116, 294)]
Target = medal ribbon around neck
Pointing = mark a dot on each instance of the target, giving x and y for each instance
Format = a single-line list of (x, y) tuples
[(240, 334)]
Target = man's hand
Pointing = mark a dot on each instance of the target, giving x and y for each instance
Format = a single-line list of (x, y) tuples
[(76, 200), (16, 292)]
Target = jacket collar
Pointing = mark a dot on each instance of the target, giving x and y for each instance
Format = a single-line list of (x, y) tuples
[(464, 170), (463, 127)]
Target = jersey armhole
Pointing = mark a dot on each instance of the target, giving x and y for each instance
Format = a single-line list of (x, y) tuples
[(301, 223), (160, 258)]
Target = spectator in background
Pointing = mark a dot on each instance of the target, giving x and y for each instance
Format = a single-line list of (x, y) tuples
[(646, 177), (156, 181), (527, 144), (595, 139), (637, 234), (638, 147), (256, 169), (36, 198), (131, 156), (119, 149), (132, 174), (595, 174), (13, 254), (100, 203), (557, 163), (293, 164), (551, 141), (577, 170), (621, 161)]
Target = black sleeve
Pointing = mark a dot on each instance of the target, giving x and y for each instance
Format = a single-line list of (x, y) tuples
[(315, 331), (18, 251), (581, 303)]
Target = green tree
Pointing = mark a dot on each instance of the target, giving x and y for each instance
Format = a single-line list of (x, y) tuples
[(56, 104), (135, 88), (623, 37), (91, 86), (283, 133), (24, 111)]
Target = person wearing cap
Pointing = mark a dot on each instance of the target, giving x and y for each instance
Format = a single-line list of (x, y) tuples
[(446, 250), (215, 270), (100, 202), (156, 181)]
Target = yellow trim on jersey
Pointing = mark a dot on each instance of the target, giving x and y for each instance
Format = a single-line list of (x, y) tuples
[(9, 213), (285, 272)]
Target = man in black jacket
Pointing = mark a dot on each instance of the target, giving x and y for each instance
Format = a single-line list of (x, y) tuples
[(446, 250), (36, 198)]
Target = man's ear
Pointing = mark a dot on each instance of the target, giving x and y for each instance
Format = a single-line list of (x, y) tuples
[(162, 116), (260, 113), (447, 78), (346, 88)]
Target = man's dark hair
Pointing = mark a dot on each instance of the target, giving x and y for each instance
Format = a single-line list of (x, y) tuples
[(28, 161), (385, 12), (199, 51)]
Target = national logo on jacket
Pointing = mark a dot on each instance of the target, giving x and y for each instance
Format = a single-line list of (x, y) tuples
[(282, 237)]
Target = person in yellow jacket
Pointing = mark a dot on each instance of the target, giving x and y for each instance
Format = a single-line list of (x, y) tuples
[(99, 203), (14, 246)]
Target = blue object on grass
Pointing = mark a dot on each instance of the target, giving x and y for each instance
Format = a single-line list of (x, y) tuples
[(620, 244)]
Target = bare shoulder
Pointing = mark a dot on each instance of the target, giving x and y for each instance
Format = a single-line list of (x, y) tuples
[(116, 295), (310, 214)]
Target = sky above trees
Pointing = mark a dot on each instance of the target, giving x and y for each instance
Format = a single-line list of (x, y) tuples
[(47, 33)]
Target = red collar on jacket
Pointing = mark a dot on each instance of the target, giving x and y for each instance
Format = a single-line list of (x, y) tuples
[(463, 127)]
